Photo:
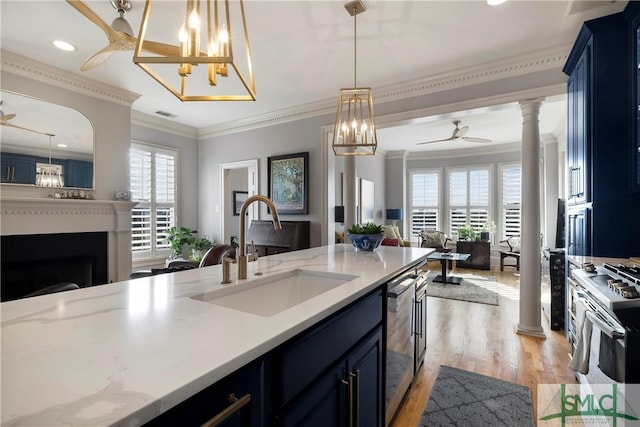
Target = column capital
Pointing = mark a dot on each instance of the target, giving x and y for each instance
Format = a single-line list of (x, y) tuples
[(530, 106)]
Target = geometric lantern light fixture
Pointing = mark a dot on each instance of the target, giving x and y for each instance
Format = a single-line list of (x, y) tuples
[(355, 129), (209, 64), (48, 174)]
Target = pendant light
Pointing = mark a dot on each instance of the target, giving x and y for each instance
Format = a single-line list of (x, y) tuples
[(205, 66), (355, 130), (47, 174)]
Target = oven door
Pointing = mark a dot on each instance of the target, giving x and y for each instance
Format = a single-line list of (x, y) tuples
[(607, 349)]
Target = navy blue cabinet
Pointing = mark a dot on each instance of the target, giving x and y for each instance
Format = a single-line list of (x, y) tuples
[(633, 12), (332, 373), (578, 137), (238, 400), (79, 174), (328, 375), (18, 169), (348, 394), (602, 205), (578, 220)]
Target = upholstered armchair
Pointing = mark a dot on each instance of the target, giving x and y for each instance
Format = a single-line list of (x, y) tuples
[(434, 239), (393, 232)]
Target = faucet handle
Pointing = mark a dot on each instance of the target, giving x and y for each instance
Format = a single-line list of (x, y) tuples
[(253, 256), (226, 274)]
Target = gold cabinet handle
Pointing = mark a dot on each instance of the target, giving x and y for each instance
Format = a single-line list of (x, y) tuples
[(355, 381), (236, 405)]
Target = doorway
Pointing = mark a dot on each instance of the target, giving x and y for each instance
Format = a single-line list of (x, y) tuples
[(236, 178)]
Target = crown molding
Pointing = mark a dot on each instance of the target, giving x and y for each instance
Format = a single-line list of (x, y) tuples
[(25, 67), (548, 59), (164, 125), (470, 152)]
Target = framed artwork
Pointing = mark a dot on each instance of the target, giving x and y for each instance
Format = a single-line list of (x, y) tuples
[(289, 183), (239, 197), (367, 206)]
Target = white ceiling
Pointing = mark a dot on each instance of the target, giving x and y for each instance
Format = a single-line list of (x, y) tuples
[(302, 52)]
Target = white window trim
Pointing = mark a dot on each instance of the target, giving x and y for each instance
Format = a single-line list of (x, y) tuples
[(140, 259)]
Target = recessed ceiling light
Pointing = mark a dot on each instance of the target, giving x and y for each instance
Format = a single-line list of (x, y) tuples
[(62, 145), (62, 45), (495, 2)]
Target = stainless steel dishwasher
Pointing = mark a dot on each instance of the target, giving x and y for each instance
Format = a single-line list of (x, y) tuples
[(406, 336)]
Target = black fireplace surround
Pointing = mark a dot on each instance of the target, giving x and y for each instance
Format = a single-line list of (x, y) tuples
[(35, 261)]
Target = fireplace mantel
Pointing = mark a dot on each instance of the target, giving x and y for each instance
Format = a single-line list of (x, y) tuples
[(43, 216)]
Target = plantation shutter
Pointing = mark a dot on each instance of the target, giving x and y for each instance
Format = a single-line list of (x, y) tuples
[(424, 201)]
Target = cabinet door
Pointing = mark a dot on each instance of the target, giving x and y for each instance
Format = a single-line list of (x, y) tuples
[(364, 377), (18, 169), (578, 131), (6, 168), (578, 232), (324, 404), (79, 174), (635, 75), (241, 393)]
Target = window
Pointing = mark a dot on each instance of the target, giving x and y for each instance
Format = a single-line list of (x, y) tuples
[(153, 186), (511, 180), (468, 198), (424, 201)]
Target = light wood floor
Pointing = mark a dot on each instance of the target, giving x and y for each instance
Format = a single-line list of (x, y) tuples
[(481, 338)]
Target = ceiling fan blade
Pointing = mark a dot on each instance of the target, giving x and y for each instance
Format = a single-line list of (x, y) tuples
[(98, 58), (91, 15), (160, 48), (472, 139), (7, 124), (437, 140), (459, 133)]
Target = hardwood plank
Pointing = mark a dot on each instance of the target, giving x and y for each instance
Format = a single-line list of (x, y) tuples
[(481, 338)]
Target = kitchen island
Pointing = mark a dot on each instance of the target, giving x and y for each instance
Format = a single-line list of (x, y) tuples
[(126, 352)]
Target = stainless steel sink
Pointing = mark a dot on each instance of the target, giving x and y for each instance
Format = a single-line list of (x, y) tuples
[(271, 295)]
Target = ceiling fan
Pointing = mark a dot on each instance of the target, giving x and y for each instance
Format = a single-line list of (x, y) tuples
[(458, 134), (4, 121), (119, 35)]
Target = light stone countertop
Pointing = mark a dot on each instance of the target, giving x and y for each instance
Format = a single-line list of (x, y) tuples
[(122, 353)]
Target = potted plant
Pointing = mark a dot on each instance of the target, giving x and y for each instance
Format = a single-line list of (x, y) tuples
[(466, 233), (487, 230), (199, 247), (366, 237), (177, 237)]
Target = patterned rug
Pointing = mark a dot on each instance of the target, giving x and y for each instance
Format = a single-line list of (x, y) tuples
[(472, 288), (463, 398)]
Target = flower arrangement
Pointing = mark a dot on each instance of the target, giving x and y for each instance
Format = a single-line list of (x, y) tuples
[(489, 227)]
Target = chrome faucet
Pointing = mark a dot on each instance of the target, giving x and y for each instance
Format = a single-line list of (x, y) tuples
[(242, 258)]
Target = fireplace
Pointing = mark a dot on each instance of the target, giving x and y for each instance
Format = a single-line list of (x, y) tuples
[(32, 262), (31, 216)]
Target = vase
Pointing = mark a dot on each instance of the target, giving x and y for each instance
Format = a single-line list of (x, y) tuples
[(365, 242)]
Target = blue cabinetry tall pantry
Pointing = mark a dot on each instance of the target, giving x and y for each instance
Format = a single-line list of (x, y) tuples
[(603, 197)]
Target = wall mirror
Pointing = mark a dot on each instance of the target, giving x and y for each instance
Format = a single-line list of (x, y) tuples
[(38, 137)]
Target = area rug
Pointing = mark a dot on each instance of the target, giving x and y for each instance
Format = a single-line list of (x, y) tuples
[(463, 398), (472, 288)]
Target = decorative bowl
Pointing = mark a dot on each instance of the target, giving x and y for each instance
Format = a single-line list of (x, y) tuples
[(365, 242)]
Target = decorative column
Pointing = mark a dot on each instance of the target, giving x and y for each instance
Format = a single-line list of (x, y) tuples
[(530, 262), (349, 192)]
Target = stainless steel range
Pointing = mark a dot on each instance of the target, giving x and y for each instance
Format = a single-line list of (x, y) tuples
[(604, 323)]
